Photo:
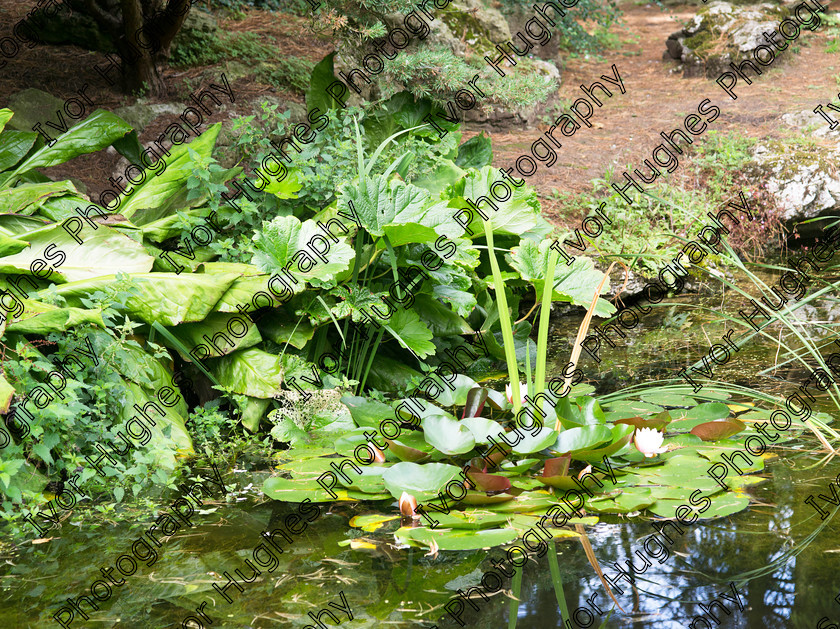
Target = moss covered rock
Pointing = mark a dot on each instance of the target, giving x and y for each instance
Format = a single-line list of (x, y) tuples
[(801, 175), (720, 34)]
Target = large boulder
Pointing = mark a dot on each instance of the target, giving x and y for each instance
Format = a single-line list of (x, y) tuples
[(802, 176), (720, 34), (33, 106)]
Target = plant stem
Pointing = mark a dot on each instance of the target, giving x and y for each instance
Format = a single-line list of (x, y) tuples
[(504, 320)]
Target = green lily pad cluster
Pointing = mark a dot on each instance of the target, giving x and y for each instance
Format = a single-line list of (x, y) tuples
[(540, 472)]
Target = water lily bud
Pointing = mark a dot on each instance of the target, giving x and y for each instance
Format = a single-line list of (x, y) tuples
[(407, 505)]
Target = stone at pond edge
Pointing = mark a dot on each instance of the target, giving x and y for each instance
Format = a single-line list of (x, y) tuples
[(803, 178)]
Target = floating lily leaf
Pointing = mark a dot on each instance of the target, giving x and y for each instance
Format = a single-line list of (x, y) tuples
[(457, 395), (717, 430), (631, 408), (583, 438), (367, 412), (405, 452), (668, 398), (371, 522), (421, 481), (447, 434), (455, 539), (558, 466), (657, 422), (708, 411), (721, 505), (634, 499), (480, 498), (621, 436), (521, 465), (476, 398), (472, 519), (287, 490), (489, 482), (534, 443), (482, 429)]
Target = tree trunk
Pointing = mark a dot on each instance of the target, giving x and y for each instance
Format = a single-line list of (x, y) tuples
[(142, 37)]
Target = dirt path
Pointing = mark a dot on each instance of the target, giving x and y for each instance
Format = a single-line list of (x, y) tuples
[(626, 128), (658, 99)]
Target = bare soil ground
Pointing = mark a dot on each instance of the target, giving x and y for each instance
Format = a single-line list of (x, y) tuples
[(626, 128)]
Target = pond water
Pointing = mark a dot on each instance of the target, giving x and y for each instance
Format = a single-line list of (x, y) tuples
[(783, 560)]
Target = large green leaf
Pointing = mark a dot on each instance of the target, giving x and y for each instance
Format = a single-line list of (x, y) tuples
[(164, 447), (95, 132), (517, 215), (14, 145), (385, 203), (41, 318), (167, 298), (103, 250), (158, 188), (220, 333), (286, 243), (279, 326), (576, 283), (5, 115), (250, 372), (405, 326), (477, 152), (439, 319), (28, 197), (317, 96)]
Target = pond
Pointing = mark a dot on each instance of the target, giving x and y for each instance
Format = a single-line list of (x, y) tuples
[(780, 556)]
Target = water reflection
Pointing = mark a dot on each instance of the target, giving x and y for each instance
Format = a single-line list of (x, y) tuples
[(389, 587)]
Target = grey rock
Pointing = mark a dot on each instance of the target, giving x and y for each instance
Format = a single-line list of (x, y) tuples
[(812, 124), (722, 33), (802, 177), (32, 106), (141, 114)]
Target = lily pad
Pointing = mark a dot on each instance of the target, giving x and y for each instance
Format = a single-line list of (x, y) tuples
[(717, 430), (454, 539), (421, 481)]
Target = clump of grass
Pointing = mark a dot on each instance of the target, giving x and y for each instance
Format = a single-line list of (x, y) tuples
[(269, 67)]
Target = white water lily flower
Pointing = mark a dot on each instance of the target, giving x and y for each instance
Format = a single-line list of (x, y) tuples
[(523, 391), (648, 441)]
